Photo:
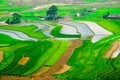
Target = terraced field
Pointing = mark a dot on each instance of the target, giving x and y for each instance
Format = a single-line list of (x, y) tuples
[(90, 63), (38, 53), (84, 48)]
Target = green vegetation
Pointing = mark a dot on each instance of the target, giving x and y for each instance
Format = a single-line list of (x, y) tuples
[(7, 59), (51, 56), (56, 32), (52, 13), (15, 19), (29, 30), (40, 53), (3, 2), (13, 8), (89, 59)]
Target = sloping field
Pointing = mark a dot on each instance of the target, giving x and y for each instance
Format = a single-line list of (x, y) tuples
[(28, 49), (89, 59), (82, 29), (28, 30), (69, 30), (17, 35), (57, 32), (89, 30)]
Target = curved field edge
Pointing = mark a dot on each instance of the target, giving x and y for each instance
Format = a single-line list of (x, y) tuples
[(89, 59), (47, 55), (7, 59), (29, 30), (56, 32), (50, 57)]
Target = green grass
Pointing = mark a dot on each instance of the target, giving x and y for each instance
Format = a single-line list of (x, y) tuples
[(7, 59), (56, 32), (58, 53), (29, 30), (38, 48), (41, 53), (13, 8), (89, 59)]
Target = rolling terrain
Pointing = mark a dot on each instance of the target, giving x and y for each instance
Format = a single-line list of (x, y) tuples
[(83, 48)]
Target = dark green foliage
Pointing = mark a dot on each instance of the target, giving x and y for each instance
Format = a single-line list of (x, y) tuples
[(15, 19), (52, 13), (106, 15)]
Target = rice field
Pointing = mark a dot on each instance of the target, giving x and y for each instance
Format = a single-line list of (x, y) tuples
[(84, 48)]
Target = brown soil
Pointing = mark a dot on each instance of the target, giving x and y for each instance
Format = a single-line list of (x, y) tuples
[(1, 55), (23, 61), (64, 69), (26, 78), (42, 70), (59, 67), (64, 58), (112, 49)]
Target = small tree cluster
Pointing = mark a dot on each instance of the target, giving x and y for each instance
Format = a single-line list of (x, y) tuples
[(52, 13), (15, 19), (106, 15)]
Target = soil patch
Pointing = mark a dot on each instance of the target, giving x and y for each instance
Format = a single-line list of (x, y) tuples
[(112, 49), (23, 61), (64, 69), (1, 55), (64, 58)]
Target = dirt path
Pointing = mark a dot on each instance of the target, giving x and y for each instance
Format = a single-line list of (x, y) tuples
[(59, 67), (64, 58), (112, 49)]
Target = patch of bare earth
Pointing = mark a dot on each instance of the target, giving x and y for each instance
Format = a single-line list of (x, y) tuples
[(61, 66), (1, 55), (112, 49), (23, 61), (26, 78), (65, 68), (14, 78)]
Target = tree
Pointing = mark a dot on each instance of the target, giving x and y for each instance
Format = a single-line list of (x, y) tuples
[(106, 15), (15, 19), (52, 13)]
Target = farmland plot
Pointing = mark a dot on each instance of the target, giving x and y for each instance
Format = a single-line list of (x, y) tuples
[(98, 30), (69, 30), (48, 30), (17, 35), (116, 53), (56, 33), (85, 32)]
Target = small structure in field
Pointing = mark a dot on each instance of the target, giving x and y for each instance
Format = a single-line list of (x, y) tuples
[(93, 9), (3, 23), (77, 15)]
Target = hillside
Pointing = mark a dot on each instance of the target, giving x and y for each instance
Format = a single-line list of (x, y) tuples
[(80, 43)]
